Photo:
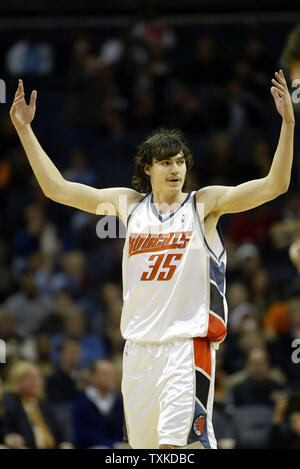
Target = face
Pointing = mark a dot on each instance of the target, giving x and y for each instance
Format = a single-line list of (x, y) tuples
[(103, 378), (30, 385), (295, 70), (167, 175), (70, 354), (258, 366)]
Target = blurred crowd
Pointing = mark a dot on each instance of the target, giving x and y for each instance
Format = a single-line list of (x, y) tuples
[(99, 95)]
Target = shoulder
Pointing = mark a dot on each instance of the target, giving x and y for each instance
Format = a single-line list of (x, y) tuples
[(81, 401), (11, 399), (124, 200), (208, 196)]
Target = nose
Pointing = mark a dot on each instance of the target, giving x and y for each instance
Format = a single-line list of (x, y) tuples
[(174, 168)]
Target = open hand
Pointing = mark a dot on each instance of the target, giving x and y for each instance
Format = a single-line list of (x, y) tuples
[(21, 113), (282, 98)]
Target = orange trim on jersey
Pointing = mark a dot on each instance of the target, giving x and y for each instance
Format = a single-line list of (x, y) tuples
[(216, 329), (140, 251), (147, 242), (202, 354)]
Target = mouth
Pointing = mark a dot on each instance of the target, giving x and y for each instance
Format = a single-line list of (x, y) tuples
[(174, 180)]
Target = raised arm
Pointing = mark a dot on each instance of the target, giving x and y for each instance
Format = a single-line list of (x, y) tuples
[(51, 181), (222, 199)]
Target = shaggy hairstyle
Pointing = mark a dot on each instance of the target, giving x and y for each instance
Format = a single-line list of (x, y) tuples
[(162, 144), (291, 50)]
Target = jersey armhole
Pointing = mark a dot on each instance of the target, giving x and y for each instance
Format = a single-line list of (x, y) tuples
[(134, 208), (218, 230)]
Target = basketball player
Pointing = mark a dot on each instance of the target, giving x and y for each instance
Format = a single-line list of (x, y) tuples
[(174, 313)]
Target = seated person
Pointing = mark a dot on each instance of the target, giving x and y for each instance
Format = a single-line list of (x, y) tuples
[(98, 413), (29, 422)]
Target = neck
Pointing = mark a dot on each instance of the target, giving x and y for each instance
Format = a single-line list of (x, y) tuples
[(168, 197), (28, 398), (68, 368), (103, 392)]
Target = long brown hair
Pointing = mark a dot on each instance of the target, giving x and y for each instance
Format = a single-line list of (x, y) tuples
[(160, 145)]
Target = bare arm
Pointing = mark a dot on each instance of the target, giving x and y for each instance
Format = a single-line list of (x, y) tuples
[(222, 199), (51, 181)]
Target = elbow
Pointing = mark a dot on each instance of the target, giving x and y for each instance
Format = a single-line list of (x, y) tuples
[(53, 192), (276, 189), (284, 188)]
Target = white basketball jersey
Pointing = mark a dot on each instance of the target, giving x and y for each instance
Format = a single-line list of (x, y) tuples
[(172, 280)]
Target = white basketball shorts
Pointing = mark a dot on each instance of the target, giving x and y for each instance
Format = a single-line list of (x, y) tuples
[(168, 392)]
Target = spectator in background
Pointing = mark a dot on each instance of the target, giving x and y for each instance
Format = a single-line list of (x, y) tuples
[(87, 79), (204, 66), (243, 109), (78, 170), (152, 29), (98, 413), (42, 267), (249, 261), (73, 277), (241, 309), (75, 327), (39, 234), (251, 402), (256, 54), (54, 323), (248, 337), (257, 387), (218, 166), (187, 111), (63, 384), (8, 333), (111, 299), (29, 305), (287, 229), (30, 56), (253, 226), (42, 354), (28, 421), (112, 49), (281, 346), (262, 293), (144, 114), (285, 433), (262, 157)]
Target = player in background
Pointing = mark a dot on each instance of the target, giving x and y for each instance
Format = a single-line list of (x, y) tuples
[(172, 422), (290, 57)]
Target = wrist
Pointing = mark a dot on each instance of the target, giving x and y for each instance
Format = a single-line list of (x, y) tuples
[(23, 130), (289, 122)]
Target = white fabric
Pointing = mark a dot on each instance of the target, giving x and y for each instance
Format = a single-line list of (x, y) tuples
[(158, 390), (162, 309), (103, 403)]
